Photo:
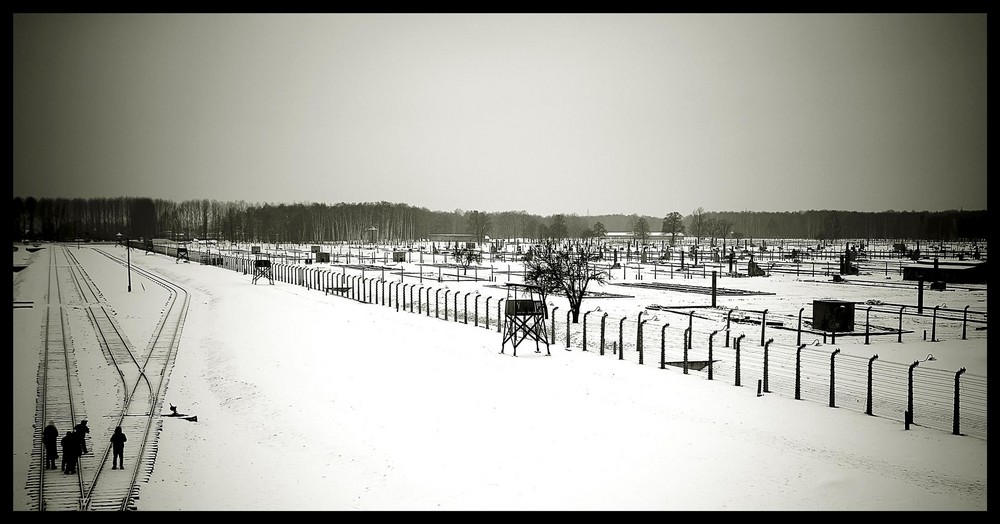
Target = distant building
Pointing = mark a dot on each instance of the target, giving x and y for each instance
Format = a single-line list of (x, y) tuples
[(652, 235), (453, 237), (176, 236), (950, 271)]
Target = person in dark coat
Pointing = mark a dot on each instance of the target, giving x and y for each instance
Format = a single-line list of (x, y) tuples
[(81, 433), (71, 451), (118, 447), (50, 438), (65, 457)]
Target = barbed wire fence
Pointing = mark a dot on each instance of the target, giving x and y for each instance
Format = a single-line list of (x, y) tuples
[(712, 343)]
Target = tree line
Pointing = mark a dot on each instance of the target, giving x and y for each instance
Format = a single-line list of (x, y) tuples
[(61, 219)]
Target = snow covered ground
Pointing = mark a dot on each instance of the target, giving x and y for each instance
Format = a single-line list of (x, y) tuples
[(313, 402)]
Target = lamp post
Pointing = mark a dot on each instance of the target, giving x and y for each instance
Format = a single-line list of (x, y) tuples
[(128, 258)]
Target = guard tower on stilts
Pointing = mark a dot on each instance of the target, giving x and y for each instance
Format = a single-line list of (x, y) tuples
[(182, 254), (524, 317), (262, 267)]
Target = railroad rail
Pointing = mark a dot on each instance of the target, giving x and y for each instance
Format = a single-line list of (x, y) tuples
[(142, 374)]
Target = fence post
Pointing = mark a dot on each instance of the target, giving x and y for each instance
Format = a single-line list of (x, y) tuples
[(763, 326), (798, 339), (736, 344), (833, 403), (499, 314), (663, 346), (687, 344), (690, 330), (868, 324), (638, 322), (909, 390), (954, 426), (798, 372), (965, 319), (568, 312), (621, 338), (585, 329), (767, 346), (868, 402), (934, 325), (488, 311), (554, 324), (710, 337), (604, 318), (638, 343)]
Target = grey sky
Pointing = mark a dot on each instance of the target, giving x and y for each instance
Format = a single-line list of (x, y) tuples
[(556, 113)]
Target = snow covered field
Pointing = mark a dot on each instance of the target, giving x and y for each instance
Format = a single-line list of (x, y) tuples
[(308, 401)]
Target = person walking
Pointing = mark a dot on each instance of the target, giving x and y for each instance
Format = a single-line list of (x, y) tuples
[(81, 433), (71, 451), (50, 438), (118, 448)]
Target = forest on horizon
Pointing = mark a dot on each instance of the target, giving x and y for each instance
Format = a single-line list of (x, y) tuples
[(62, 219)]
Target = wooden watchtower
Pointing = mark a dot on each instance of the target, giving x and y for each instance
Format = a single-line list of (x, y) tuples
[(182, 254), (524, 317), (262, 268)]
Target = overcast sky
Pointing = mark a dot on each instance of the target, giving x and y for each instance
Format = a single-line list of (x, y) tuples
[(557, 113)]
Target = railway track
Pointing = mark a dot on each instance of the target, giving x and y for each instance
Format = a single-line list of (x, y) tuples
[(142, 374), (52, 489)]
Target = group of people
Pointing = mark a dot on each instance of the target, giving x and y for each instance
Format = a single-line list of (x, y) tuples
[(74, 444)]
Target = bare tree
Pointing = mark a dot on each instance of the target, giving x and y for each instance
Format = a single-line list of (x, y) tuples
[(640, 229), (711, 229), (565, 272), (465, 256), (698, 224), (725, 228), (479, 225)]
